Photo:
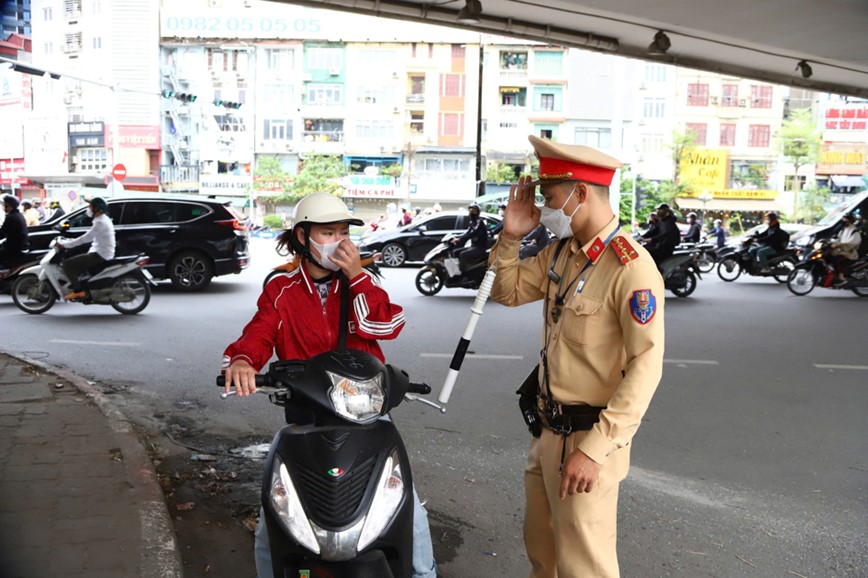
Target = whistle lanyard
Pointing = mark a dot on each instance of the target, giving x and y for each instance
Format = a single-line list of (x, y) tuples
[(560, 296)]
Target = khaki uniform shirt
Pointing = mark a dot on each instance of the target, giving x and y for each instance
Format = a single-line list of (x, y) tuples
[(606, 349)]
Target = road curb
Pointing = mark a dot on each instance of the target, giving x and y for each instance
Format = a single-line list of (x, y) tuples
[(159, 553)]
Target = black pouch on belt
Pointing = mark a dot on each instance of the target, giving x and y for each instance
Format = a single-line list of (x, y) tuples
[(527, 396)]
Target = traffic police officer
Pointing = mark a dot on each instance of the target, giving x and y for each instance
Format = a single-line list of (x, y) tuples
[(601, 355)]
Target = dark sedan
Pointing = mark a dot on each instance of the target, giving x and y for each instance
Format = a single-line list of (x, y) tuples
[(411, 242)]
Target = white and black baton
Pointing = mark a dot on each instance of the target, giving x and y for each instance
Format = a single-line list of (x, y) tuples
[(464, 342)]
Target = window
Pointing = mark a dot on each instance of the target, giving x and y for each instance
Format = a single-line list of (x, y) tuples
[(325, 58), (750, 175), (458, 52), (443, 168), (279, 129), (655, 73), (440, 223), (546, 101), (452, 85), (727, 135), (509, 125), (652, 144), (513, 60), (697, 94), (513, 96), (450, 124), (150, 212), (760, 96), (92, 160), (383, 130), (654, 107), (698, 130), (324, 130), (384, 61), (417, 121), (325, 94), (729, 95), (278, 97), (279, 59), (49, 49), (548, 62), (46, 14), (758, 136), (72, 8), (594, 137), (380, 95), (417, 85), (97, 42), (546, 133)]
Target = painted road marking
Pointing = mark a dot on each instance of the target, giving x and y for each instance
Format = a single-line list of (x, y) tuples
[(472, 355), (692, 361), (105, 343), (855, 367)]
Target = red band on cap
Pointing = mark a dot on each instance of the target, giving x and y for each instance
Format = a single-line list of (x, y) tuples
[(558, 168)]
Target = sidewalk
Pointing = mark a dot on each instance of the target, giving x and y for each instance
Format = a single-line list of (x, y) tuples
[(78, 493)]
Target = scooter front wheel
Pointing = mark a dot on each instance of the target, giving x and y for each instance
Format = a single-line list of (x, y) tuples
[(688, 287), (134, 291), (32, 295), (729, 269), (801, 281), (429, 281), (705, 262)]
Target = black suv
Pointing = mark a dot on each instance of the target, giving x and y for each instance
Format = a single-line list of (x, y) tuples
[(189, 239)]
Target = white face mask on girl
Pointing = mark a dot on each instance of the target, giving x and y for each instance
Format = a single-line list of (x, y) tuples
[(325, 253), (557, 221)]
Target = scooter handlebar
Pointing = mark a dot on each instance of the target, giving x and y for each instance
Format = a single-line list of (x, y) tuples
[(261, 381), (422, 388)]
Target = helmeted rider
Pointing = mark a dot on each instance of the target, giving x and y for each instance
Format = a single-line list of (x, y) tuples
[(770, 242), (101, 236), (298, 316), (477, 233), (694, 231), (718, 232), (31, 215), (662, 245), (14, 231)]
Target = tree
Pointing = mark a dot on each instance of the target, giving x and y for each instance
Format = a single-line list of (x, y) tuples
[(272, 183), (799, 142), (813, 205), (680, 142), (498, 172), (318, 174)]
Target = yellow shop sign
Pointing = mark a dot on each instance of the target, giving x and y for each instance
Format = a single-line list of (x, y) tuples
[(704, 169)]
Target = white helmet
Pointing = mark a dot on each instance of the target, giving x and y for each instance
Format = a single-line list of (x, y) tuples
[(323, 208)]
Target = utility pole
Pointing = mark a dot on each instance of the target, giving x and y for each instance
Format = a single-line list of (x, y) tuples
[(480, 176)]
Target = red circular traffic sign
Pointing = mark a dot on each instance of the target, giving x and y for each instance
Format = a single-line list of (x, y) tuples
[(119, 172)]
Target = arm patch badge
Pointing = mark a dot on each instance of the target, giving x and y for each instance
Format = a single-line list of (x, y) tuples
[(643, 306)]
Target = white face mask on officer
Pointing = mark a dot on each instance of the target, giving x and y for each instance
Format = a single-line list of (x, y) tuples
[(557, 221), (325, 253)]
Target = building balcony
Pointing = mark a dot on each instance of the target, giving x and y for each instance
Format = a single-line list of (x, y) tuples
[(179, 173), (415, 99), (513, 73)]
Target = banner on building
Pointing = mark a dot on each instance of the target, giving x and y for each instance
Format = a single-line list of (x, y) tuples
[(371, 187), (226, 185), (846, 116), (842, 158)]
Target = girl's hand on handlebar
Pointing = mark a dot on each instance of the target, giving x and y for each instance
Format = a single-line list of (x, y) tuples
[(242, 375)]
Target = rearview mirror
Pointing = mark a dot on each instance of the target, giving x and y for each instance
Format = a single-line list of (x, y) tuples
[(422, 229), (62, 226)]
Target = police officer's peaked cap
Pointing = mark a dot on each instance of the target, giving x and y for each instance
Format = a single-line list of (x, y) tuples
[(562, 162)]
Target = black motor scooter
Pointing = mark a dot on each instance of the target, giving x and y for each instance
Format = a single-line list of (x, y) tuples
[(337, 493), (442, 270), (733, 264)]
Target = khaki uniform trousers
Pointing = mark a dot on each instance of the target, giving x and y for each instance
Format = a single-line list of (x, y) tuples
[(574, 537)]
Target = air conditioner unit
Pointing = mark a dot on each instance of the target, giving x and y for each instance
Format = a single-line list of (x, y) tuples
[(334, 71), (743, 102), (714, 100), (306, 77), (641, 122), (396, 110), (642, 86), (395, 75)]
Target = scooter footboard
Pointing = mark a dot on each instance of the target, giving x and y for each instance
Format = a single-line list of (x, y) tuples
[(337, 474)]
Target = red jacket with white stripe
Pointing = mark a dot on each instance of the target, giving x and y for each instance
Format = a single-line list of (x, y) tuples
[(292, 322)]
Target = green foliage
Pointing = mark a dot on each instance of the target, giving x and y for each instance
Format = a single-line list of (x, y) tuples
[(319, 174), (654, 193), (799, 139), (393, 170), (680, 142), (498, 172), (272, 183), (272, 221), (811, 205)]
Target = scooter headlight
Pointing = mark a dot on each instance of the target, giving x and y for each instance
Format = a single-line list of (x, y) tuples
[(287, 506), (358, 401), (390, 490)]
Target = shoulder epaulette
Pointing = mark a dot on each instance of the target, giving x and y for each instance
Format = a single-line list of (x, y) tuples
[(624, 250)]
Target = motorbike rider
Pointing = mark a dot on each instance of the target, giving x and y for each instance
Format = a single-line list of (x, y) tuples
[(534, 242), (662, 245), (31, 215), (14, 230), (845, 248), (768, 243), (694, 230), (298, 316), (101, 235), (718, 233), (477, 233), (56, 211), (653, 226)]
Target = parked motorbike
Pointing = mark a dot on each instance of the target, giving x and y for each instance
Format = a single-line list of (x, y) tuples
[(739, 260), (337, 490), (443, 270), (681, 272), (706, 254), (122, 283), (815, 271)]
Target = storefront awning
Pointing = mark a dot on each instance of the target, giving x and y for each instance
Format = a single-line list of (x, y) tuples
[(847, 181), (741, 205)]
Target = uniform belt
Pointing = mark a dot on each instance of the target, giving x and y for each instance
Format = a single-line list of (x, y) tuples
[(572, 418)]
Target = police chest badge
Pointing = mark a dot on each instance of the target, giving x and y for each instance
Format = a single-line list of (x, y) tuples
[(643, 306)]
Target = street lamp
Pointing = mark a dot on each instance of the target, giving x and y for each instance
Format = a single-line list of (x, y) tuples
[(704, 197)]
